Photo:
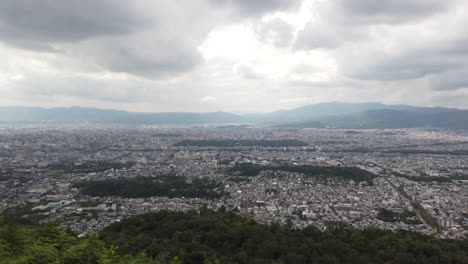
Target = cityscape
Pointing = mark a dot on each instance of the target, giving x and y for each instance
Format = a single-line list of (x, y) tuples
[(390, 179), (234, 132)]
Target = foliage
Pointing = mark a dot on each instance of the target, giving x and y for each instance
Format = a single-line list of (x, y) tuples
[(457, 152), (438, 179), (51, 244), (425, 215), (143, 187), (208, 236), (247, 169), (430, 220), (220, 237), (425, 178), (407, 217), (224, 162), (347, 173), (22, 214)]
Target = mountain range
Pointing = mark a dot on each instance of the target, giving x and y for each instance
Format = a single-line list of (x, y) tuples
[(331, 115)]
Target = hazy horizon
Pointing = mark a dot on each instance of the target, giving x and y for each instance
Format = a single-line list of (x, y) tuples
[(220, 110)]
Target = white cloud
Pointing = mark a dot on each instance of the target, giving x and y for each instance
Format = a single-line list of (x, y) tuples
[(233, 55), (247, 71), (209, 99)]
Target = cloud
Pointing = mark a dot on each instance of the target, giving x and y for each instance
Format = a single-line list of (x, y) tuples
[(388, 67), (149, 39), (257, 7), (300, 100), (209, 99), (407, 52), (276, 32), (172, 56), (338, 21), (453, 80), (314, 36), (391, 41), (395, 11), (150, 57), (247, 71), (52, 21), (83, 87)]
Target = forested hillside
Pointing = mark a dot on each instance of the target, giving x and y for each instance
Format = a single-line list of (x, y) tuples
[(220, 237), (23, 244), (226, 237)]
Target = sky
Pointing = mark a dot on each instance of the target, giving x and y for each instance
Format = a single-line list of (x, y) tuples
[(239, 56)]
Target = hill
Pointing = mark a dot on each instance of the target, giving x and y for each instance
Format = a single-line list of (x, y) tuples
[(316, 111), (333, 115), (210, 237), (392, 118), (22, 244), (93, 115), (367, 115)]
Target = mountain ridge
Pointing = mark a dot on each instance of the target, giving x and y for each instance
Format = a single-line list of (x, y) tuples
[(321, 115)]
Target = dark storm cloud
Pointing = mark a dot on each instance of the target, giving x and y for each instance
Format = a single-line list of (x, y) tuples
[(35, 24)]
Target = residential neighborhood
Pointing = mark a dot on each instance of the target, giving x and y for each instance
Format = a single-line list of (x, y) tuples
[(254, 172)]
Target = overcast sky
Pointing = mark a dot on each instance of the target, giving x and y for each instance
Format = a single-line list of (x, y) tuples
[(239, 56)]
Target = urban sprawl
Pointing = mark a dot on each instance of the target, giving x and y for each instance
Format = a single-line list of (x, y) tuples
[(87, 177)]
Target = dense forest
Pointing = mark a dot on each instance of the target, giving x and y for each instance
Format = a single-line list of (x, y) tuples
[(143, 187), (207, 237), (425, 178), (50, 244), (247, 169), (458, 152), (222, 236), (345, 173), (239, 143), (407, 217)]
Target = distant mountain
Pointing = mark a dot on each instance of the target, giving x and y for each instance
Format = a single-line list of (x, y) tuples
[(429, 117), (315, 111), (382, 116), (325, 110), (92, 115), (333, 115)]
